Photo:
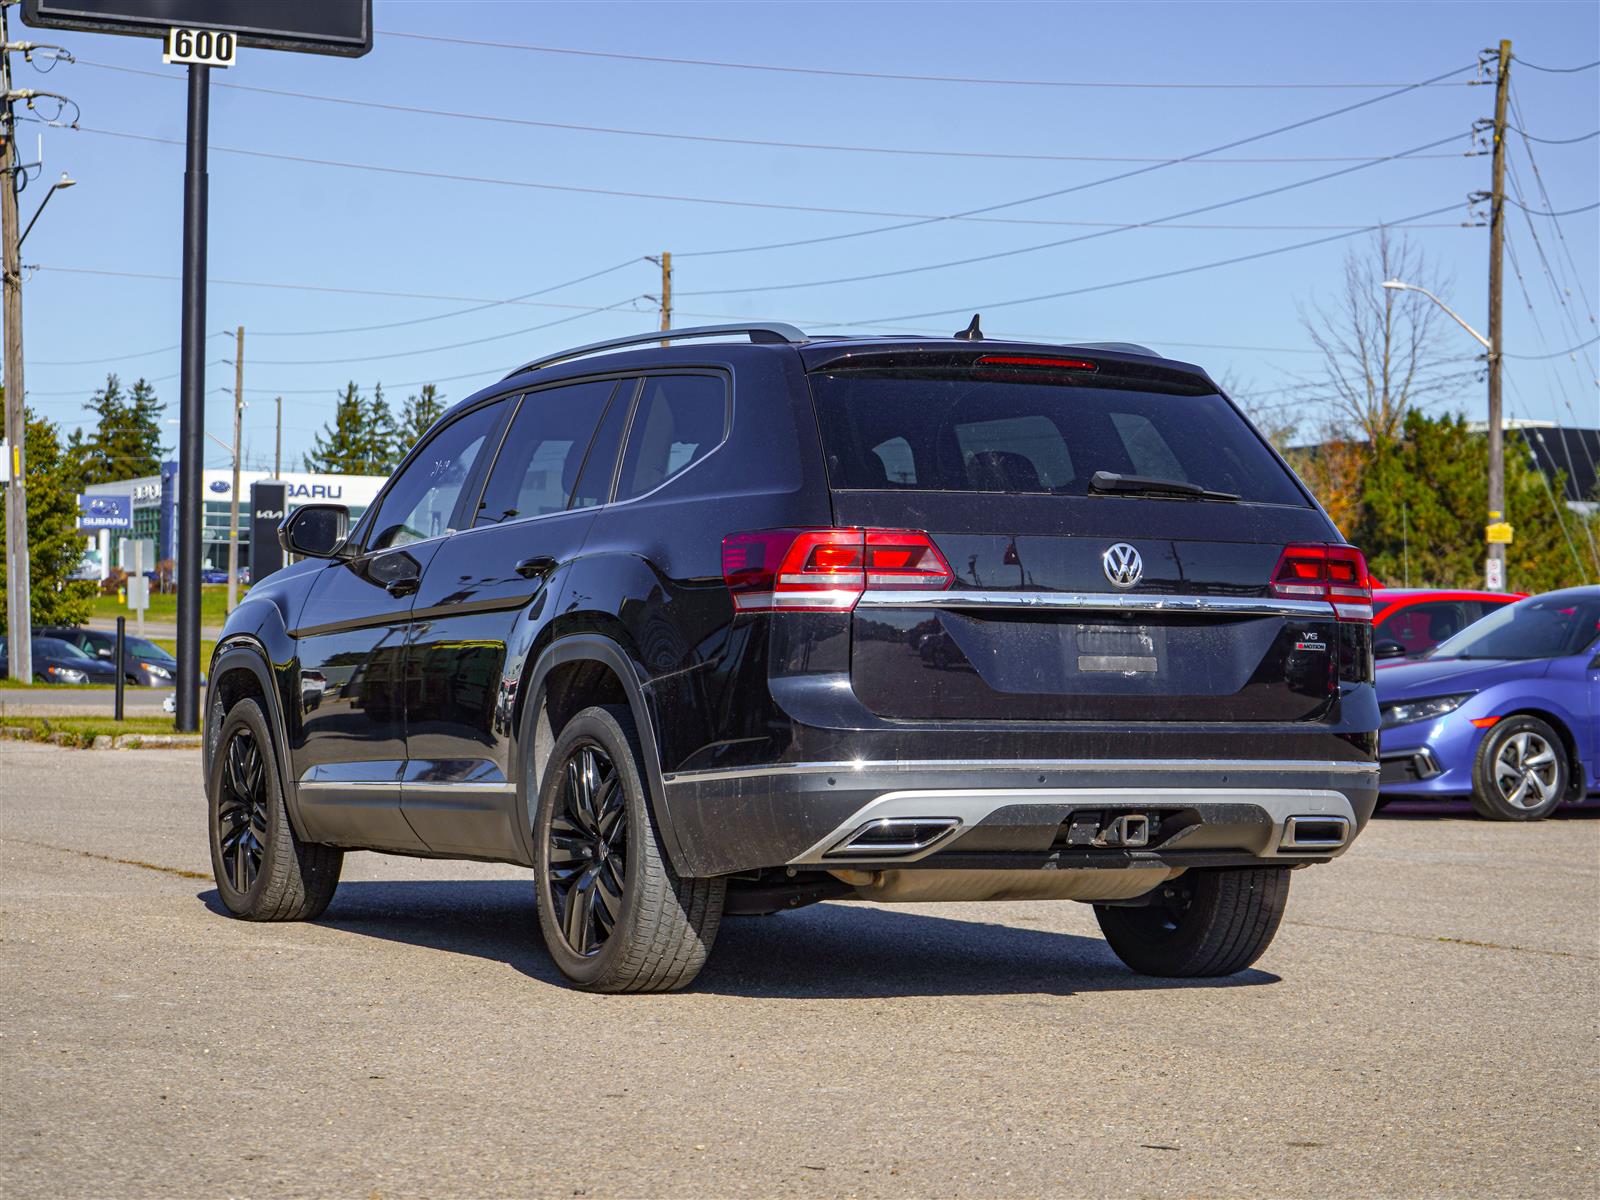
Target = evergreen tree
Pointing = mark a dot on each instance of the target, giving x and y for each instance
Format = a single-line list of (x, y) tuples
[(55, 547), (417, 414), (360, 440), (125, 442), (1423, 499)]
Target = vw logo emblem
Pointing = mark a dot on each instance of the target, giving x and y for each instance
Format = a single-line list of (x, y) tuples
[(1122, 564)]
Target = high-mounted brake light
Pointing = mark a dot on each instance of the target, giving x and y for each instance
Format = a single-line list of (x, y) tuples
[(790, 570), (1023, 360), (1335, 573)]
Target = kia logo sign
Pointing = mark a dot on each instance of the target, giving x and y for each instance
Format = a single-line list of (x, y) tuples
[(219, 485)]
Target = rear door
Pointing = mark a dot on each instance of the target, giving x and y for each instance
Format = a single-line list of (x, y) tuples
[(1068, 604)]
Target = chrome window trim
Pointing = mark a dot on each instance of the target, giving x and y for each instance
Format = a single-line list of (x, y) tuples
[(859, 766), (1098, 601)]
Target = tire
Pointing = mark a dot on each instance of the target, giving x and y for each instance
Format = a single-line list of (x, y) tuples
[(1208, 922), (639, 928), (1521, 772), (263, 871)]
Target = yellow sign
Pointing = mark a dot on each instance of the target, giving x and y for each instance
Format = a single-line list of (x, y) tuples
[(1499, 533)]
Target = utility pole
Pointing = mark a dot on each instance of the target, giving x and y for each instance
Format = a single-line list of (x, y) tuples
[(277, 445), (1495, 568), (233, 507), (19, 606), (665, 262)]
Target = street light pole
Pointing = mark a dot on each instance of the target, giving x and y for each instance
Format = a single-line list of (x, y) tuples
[(233, 507), (64, 182), (1495, 580)]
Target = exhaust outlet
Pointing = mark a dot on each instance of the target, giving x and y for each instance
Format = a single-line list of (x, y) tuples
[(1314, 833), (895, 837)]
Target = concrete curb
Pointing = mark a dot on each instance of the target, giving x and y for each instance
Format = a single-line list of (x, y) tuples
[(103, 741)]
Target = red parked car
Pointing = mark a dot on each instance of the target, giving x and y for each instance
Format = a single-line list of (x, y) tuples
[(1407, 622)]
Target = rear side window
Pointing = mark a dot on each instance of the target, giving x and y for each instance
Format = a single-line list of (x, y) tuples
[(544, 448), (1420, 627), (679, 420), (948, 432)]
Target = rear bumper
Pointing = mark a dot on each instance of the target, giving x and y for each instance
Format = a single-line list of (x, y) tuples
[(1026, 814)]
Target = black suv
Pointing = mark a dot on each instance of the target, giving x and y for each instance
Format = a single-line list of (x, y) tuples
[(754, 619)]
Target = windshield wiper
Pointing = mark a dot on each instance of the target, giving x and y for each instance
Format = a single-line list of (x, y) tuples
[(1110, 481)]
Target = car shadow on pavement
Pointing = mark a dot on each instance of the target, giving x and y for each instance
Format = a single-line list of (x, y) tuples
[(827, 951)]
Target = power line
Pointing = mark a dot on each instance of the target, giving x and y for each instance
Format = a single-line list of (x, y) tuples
[(459, 312), (1556, 70), (840, 73), (538, 185), (999, 254), (1079, 187), (1101, 287), (320, 362), (1555, 353), (710, 139), (1539, 212), (1582, 137), (114, 358)]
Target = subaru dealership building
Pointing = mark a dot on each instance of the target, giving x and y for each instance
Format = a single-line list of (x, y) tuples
[(154, 503)]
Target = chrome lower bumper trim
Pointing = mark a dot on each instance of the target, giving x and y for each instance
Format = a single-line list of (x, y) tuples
[(971, 806), (855, 767)]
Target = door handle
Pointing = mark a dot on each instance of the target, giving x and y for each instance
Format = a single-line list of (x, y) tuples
[(537, 567), (403, 586)]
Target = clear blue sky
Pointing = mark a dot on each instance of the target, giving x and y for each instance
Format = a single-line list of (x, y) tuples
[(301, 225)]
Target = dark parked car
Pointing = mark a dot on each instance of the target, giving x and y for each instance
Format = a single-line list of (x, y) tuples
[(144, 664), (1505, 713), (55, 661), (737, 626)]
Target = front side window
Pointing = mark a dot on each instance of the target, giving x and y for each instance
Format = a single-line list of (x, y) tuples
[(679, 420), (421, 499), (537, 467), (1551, 626)]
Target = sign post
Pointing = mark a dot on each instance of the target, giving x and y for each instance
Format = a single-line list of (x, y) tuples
[(141, 551), (203, 34)]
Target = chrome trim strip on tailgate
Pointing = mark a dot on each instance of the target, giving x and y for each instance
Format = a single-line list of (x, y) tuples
[(1097, 602), (990, 766)]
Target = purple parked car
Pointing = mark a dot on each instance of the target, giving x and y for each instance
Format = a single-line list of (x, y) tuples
[(1506, 712)]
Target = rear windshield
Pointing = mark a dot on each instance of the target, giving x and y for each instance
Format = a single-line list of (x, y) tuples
[(949, 433)]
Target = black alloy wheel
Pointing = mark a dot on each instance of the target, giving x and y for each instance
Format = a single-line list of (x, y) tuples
[(264, 871), (587, 850), (242, 809)]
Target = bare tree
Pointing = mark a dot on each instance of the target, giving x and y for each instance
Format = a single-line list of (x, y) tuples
[(1380, 348)]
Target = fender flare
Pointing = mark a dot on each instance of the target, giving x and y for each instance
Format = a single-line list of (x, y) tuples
[(588, 647), (244, 652)]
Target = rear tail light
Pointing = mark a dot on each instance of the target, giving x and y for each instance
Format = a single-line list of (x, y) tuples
[(787, 570), (1335, 573)]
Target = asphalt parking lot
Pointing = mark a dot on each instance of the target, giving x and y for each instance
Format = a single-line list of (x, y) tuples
[(1424, 1025)]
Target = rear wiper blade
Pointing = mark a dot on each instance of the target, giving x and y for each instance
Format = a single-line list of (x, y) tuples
[(1110, 481)]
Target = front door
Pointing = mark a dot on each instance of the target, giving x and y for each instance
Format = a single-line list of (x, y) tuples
[(349, 744), (484, 599)]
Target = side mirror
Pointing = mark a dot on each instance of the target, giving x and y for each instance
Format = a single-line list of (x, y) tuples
[(1388, 649), (315, 531)]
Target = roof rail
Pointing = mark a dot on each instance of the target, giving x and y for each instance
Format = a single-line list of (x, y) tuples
[(770, 332)]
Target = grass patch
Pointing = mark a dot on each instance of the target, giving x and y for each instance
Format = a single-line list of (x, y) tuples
[(170, 645), (9, 683), (164, 605), (81, 731)]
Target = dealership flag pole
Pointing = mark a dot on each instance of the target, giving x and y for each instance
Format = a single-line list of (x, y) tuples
[(191, 403)]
